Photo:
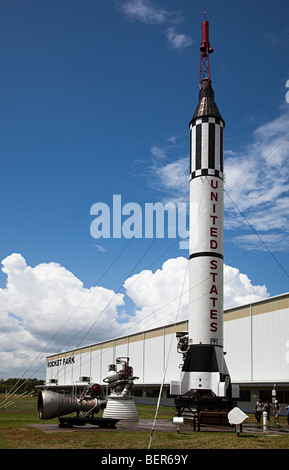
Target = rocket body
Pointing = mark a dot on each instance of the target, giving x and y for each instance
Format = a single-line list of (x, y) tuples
[(206, 231), (204, 370), (204, 373)]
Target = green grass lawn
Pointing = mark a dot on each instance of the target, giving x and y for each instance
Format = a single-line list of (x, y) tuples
[(15, 433)]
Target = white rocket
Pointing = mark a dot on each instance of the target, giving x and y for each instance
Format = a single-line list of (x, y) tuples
[(204, 372)]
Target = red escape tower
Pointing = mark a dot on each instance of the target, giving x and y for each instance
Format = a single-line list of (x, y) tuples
[(206, 50)]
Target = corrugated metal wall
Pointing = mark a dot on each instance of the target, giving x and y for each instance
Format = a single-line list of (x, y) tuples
[(149, 352), (256, 340)]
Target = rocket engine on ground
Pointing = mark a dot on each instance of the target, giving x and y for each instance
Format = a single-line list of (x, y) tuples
[(119, 405), (120, 401), (52, 404), (205, 377)]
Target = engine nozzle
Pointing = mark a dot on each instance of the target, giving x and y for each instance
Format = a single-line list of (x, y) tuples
[(52, 404)]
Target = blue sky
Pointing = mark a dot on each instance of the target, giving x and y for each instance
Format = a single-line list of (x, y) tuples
[(95, 101)]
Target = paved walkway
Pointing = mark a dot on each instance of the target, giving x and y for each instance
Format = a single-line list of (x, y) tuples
[(162, 425)]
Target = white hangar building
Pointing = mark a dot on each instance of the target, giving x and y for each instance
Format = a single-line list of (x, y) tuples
[(256, 341)]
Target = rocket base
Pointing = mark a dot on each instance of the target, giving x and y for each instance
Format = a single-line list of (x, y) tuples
[(204, 372), (205, 384)]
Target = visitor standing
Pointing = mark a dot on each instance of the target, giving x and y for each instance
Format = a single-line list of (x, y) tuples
[(258, 410)]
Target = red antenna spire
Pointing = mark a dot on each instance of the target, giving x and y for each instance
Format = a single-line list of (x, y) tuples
[(205, 51)]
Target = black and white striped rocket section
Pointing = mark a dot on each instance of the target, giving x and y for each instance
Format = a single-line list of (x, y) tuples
[(206, 146), (206, 231)]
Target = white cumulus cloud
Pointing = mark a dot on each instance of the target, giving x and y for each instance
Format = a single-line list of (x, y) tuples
[(162, 297), (45, 309), (257, 185)]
